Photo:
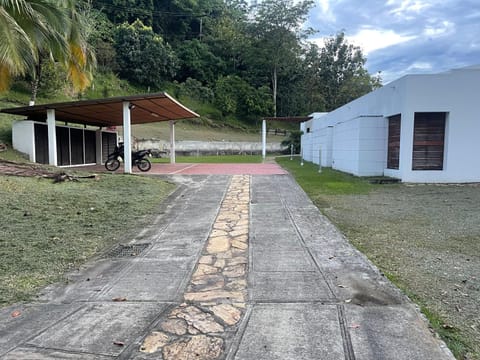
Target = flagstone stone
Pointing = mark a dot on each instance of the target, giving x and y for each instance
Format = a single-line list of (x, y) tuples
[(198, 347), (225, 255), (242, 238), (214, 295), (239, 245), (220, 263), (237, 260), (237, 284), (218, 245), (207, 279), (222, 226), (217, 232), (153, 342), (229, 314), (200, 320), (238, 233), (204, 269), (206, 259), (174, 326), (234, 271)]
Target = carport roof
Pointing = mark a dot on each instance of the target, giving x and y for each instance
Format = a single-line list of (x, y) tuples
[(109, 112)]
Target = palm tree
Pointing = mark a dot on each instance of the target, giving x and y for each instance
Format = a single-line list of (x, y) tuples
[(32, 30)]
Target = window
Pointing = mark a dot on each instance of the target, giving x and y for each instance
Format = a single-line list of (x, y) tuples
[(428, 141), (393, 155)]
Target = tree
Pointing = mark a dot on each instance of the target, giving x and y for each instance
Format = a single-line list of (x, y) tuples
[(228, 37), (101, 39), (338, 68), (121, 11), (143, 57), (23, 26), (234, 96), (34, 30), (277, 33), (197, 61)]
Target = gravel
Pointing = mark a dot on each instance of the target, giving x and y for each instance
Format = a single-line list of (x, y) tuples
[(427, 238)]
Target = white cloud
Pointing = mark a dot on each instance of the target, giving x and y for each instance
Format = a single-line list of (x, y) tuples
[(374, 39), (405, 8), (420, 66), (325, 11), (445, 28)]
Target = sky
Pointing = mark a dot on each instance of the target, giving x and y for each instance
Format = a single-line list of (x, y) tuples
[(400, 37)]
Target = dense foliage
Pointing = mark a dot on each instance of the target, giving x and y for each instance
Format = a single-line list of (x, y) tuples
[(249, 61)]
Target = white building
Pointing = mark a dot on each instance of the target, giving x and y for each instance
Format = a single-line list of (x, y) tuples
[(419, 128)]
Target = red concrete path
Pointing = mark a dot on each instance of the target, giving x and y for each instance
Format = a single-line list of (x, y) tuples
[(206, 169)]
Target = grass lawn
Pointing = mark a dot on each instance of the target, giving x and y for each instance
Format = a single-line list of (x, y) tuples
[(326, 182), (48, 229), (425, 238), (220, 159)]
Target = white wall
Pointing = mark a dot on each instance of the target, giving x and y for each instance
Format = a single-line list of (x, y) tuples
[(360, 134), (345, 146), (457, 93), (23, 138), (319, 137)]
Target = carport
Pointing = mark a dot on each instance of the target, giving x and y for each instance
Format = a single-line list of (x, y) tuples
[(116, 111)]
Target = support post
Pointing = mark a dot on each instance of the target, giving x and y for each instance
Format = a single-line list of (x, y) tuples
[(127, 139), (264, 139), (172, 142), (320, 159), (291, 151), (52, 137), (301, 156)]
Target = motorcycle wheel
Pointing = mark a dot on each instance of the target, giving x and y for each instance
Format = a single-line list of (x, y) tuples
[(144, 165), (112, 164)]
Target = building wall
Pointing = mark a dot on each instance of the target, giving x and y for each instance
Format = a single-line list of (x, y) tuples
[(372, 154), (317, 142), (23, 138), (361, 127), (457, 94)]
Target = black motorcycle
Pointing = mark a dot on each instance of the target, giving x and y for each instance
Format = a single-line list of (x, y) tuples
[(138, 158)]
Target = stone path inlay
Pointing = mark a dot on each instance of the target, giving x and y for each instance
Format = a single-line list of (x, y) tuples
[(215, 298)]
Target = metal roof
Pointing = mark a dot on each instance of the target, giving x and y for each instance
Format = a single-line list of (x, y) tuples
[(109, 112)]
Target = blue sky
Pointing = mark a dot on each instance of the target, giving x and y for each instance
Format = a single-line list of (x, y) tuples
[(400, 37)]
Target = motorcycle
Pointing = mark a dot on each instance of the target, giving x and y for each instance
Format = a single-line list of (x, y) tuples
[(139, 158)]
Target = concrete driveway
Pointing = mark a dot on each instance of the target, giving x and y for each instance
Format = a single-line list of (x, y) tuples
[(235, 267)]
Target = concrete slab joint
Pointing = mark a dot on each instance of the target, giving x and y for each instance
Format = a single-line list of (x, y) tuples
[(215, 298)]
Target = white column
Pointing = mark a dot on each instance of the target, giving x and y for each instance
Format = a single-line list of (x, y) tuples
[(172, 142), (127, 139), (264, 139), (52, 137), (98, 146)]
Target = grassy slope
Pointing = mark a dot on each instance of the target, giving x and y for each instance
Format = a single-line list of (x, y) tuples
[(48, 229)]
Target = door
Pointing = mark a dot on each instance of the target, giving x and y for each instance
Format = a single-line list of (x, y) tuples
[(41, 143)]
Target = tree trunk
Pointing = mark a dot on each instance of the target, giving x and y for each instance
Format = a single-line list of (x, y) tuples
[(35, 83), (274, 86)]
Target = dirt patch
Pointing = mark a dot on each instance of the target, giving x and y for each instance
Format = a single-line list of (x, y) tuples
[(426, 237), (23, 169)]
